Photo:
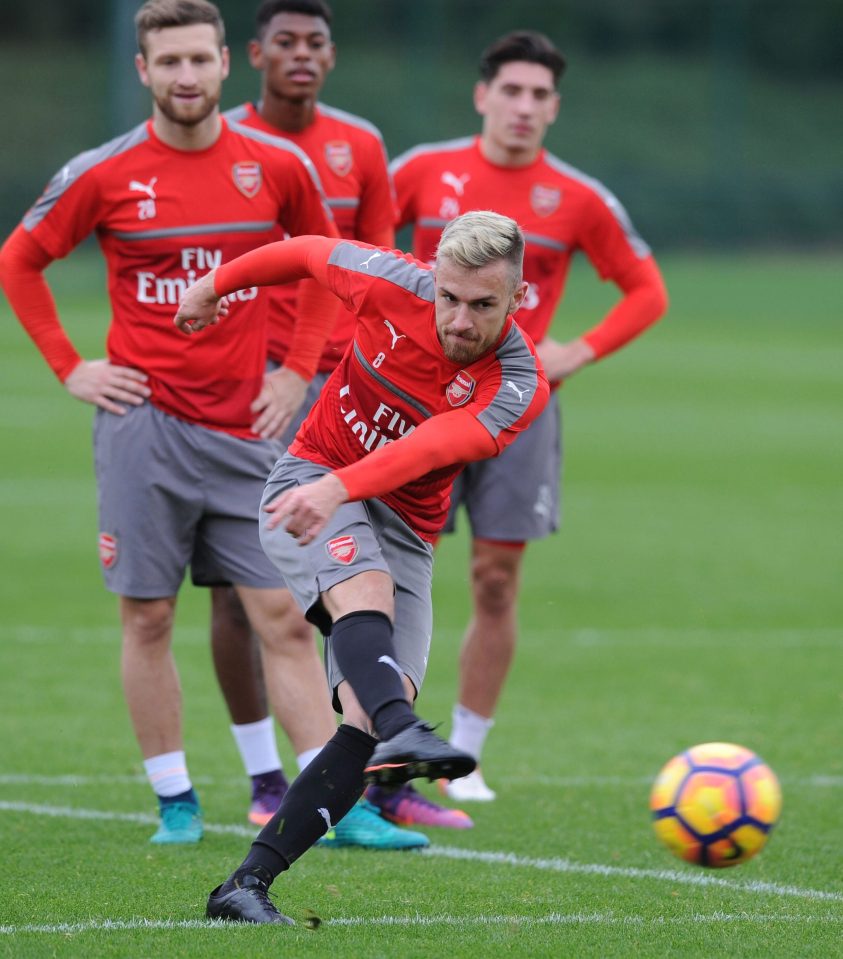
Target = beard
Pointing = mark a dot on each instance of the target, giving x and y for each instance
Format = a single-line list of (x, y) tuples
[(462, 349), (188, 115)]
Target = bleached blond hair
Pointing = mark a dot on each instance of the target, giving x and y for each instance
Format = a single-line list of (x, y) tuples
[(480, 237)]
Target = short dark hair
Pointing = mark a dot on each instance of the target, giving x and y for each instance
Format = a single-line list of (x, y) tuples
[(310, 8), (160, 14), (527, 46)]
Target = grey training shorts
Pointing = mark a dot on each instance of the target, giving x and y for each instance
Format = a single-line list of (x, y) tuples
[(172, 494), (204, 572), (360, 536), (514, 497)]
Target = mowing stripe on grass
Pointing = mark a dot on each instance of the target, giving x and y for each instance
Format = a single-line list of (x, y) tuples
[(585, 636), (561, 782), (552, 919), (818, 781), (476, 855), (702, 637)]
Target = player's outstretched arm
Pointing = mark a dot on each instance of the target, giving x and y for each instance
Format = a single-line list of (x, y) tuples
[(454, 437), (298, 258)]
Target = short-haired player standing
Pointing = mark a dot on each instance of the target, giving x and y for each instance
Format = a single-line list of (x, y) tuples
[(182, 429), (350, 511), (514, 498)]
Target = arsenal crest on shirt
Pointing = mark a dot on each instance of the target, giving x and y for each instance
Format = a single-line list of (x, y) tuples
[(248, 178), (545, 199), (343, 549), (108, 550), (339, 157), (461, 388)]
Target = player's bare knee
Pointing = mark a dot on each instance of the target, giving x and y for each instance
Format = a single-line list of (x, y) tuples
[(227, 610), (147, 622), (277, 620), (288, 633), (495, 585)]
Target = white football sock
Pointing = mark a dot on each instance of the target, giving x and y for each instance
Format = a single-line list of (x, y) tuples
[(307, 757), (167, 774), (257, 745), (469, 731)]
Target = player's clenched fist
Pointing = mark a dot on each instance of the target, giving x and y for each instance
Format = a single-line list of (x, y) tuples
[(307, 508), (200, 306)]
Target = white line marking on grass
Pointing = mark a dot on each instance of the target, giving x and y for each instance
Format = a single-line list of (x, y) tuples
[(629, 872), (475, 855), (114, 925), (72, 812), (575, 918), (552, 919)]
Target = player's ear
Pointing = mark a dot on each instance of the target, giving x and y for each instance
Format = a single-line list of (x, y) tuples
[(254, 50), (518, 296), (556, 102), (481, 91), (225, 54), (140, 66)]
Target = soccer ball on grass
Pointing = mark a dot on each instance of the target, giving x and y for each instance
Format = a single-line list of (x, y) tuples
[(715, 804)]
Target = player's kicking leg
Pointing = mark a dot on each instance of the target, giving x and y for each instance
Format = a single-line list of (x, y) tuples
[(297, 688), (322, 795)]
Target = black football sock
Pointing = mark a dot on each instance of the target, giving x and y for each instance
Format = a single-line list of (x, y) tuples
[(362, 646), (319, 797), (189, 797)]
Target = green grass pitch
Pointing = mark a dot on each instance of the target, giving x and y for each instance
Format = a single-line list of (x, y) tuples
[(694, 594)]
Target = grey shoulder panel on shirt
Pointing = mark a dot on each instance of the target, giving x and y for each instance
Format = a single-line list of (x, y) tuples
[(386, 266), (612, 203), (519, 380), (77, 167), (237, 114), (241, 113), (443, 146), (350, 118)]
